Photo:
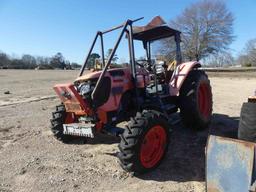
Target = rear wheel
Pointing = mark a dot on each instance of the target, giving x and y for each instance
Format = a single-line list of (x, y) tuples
[(59, 117), (196, 100), (144, 142), (247, 123)]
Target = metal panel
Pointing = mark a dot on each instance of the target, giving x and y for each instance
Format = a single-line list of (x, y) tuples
[(229, 165)]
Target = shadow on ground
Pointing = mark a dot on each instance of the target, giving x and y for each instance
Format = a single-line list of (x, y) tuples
[(98, 139), (185, 160)]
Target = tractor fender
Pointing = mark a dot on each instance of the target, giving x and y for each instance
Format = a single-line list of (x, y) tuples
[(179, 75)]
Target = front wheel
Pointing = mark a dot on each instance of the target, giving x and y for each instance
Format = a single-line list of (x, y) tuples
[(144, 142), (59, 117), (196, 100)]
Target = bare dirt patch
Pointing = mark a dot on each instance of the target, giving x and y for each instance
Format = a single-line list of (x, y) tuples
[(32, 160)]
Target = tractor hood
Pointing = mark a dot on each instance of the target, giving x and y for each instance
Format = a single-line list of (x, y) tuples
[(125, 72), (88, 75), (96, 74)]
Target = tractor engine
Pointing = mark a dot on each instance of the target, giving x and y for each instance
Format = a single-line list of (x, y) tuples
[(85, 90)]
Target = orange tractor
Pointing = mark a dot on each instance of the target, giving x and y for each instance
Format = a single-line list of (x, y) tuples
[(145, 93)]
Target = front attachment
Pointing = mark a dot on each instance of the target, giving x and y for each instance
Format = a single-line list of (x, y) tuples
[(79, 129)]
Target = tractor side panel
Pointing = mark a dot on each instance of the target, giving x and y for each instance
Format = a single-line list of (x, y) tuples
[(179, 75), (120, 83)]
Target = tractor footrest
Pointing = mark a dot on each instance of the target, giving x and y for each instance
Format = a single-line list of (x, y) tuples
[(79, 129), (112, 130)]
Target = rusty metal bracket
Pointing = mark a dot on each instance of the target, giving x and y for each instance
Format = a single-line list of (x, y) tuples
[(230, 165)]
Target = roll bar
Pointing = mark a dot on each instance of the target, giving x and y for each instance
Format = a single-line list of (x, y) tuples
[(127, 28), (101, 33)]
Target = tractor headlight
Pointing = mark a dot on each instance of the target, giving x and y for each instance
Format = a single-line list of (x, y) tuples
[(84, 88)]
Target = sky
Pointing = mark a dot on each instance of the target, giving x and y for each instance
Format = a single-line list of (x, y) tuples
[(45, 27)]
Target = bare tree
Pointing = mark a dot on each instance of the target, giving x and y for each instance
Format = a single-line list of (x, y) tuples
[(221, 59), (206, 26), (4, 60), (29, 61), (165, 48), (250, 50), (58, 61), (248, 56), (40, 60), (242, 60)]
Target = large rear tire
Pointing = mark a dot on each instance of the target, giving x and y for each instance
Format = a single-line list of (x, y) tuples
[(144, 142), (247, 123), (196, 100), (59, 117)]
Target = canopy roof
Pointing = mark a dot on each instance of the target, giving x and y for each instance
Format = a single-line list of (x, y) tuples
[(154, 30)]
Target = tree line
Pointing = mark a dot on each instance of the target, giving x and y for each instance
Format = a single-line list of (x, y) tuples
[(57, 61), (248, 56), (27, 61)]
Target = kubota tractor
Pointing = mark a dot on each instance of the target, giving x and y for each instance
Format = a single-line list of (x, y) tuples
[(146, 94)]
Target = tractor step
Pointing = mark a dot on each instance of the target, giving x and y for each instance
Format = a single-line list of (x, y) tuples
[(170, 108), (112, 130)]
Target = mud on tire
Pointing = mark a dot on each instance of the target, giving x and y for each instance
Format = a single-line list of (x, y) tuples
[(196, 100), (57, 121), (144, 142)]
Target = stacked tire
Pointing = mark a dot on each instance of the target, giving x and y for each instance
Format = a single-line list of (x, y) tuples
[(247, 123)]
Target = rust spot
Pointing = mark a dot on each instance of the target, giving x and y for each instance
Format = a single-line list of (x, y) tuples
[(212, 189), (245, 143)]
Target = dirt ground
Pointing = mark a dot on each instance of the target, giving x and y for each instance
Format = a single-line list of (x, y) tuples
[(32, 160)]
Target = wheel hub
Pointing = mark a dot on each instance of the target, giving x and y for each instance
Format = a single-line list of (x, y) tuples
[(204, 100), (153, 146)]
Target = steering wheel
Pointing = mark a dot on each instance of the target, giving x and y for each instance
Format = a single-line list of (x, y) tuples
[(142, 63)]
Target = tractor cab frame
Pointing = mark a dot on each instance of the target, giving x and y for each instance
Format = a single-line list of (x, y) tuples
[(154, 31)]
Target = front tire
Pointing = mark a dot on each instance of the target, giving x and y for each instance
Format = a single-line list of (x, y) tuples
[(196, 100), (59, 117), (144, 142)]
